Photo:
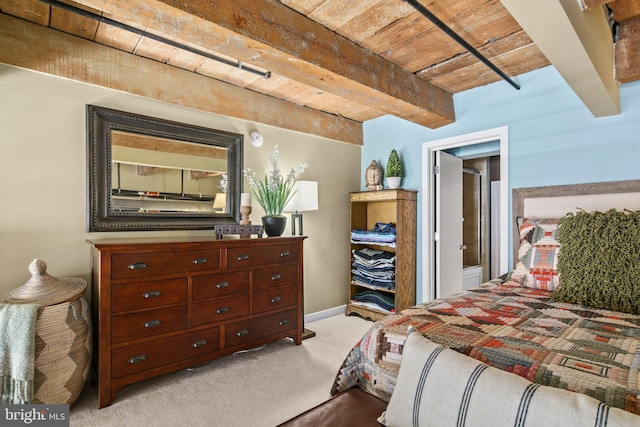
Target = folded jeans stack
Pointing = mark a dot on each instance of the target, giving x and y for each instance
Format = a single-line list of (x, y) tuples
[(382, 234), (375, 300), (374, 269)]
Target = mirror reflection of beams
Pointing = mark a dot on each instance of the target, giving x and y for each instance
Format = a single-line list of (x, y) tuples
[(152, 174), (146, 173)]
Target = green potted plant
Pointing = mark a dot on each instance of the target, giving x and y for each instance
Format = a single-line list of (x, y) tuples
[(394, 170), (273, 193)]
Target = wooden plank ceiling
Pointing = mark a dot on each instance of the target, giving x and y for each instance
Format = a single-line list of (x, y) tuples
[(354, 60)]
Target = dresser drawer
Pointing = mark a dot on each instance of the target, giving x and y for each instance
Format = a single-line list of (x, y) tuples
[(142, 324), (140, 357), (218, 285), (254, 329), (219, 309), (275, 298), (271, 277), (154, 293), (249, 256), (152, 263)]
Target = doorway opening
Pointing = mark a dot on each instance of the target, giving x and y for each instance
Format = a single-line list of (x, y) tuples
[(489, 145), (480, 226)]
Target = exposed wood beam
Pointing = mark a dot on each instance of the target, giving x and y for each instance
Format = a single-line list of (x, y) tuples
[(491, 49), (270, 35), (628, 52), (463, 71), (39, 48), (625, 10), (578, 43), (156, 144)]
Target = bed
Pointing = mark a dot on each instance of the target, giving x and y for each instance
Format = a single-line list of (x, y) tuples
[(516, 323)]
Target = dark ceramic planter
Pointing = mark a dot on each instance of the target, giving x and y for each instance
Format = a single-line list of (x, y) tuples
[(274, 225)]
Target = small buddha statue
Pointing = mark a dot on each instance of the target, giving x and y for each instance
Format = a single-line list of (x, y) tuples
[(373, 176)]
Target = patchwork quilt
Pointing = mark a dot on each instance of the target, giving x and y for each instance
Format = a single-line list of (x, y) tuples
[(516, 329)]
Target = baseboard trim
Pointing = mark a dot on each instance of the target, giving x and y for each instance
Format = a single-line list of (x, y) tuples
[(325, 313)]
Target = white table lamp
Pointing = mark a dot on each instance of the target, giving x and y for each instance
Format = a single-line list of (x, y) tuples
[(220, 202), (305, 198)]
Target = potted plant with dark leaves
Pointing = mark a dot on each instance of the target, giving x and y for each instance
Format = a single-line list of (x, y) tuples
[(394, 170), (273, 192)]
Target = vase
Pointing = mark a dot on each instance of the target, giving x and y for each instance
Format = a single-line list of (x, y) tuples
[(394, 181), (274, 225)]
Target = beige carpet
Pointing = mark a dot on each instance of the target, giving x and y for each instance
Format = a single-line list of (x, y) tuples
[(263, 387)]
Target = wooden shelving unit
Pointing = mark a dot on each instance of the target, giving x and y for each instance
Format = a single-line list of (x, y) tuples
[(397, 206)]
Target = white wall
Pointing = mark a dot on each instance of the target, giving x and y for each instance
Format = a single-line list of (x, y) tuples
[(43, 188)]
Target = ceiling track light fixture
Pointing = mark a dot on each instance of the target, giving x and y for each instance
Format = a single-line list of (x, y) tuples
[(236, 64), (438, 23)]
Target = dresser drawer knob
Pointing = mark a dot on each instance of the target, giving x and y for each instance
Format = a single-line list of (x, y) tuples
[(151, 323), (284, 322), (137, 359), (242, 332), (199, 343), (285, 253), (222, 285), (276, 277), (137, 266), (222, 310), (276, 299), (200, 261), (243, 257), (151, 294)]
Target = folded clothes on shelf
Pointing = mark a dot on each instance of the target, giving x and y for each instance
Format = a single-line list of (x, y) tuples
[(385, 271), (373, 268), (372, 255), (380, 264), (380, 274), (381, 234), (372, 258), (377, 299), (359, 279)]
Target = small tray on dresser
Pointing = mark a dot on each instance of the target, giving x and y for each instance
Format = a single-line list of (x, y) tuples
[(242, 230)]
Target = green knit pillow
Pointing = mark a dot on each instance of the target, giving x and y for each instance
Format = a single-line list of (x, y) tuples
[(599, 263)]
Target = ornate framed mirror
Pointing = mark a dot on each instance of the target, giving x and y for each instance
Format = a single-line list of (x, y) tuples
[(146, 173)]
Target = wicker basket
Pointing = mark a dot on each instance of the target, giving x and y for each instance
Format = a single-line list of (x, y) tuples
[(63, 337)]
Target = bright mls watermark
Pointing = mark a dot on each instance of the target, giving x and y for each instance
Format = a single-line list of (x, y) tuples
[(34, 415)]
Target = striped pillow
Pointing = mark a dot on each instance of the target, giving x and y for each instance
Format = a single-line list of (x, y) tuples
[(440, 387)]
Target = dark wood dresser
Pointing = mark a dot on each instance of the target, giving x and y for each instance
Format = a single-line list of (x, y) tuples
[(160, 305)]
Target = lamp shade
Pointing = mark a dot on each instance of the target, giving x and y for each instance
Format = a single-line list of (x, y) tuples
[(305, 197), (220, 202)]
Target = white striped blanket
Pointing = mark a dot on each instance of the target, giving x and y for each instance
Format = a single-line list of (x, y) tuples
[(437, 386)]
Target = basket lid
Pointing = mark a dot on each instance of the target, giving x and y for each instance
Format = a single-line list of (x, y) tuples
[(45, 289)]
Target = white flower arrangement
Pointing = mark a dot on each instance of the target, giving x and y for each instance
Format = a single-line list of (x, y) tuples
[(224, 182), (275, 191)]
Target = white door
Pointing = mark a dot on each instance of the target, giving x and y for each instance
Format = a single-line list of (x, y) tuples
[(448, 224), (495, 229)]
